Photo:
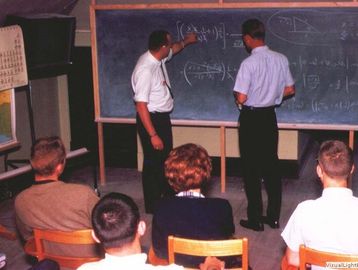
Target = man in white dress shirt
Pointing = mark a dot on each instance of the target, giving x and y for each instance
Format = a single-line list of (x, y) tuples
[(330, 222), (118, 228), (154, 102)]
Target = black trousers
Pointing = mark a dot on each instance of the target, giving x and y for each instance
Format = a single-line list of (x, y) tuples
[(45, 264), (258, 140), (154, 183)]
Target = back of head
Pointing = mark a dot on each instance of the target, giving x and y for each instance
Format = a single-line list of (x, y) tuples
[(188, 167), (46, 154), (158, 39), (336, 159), (115, 220), (254, 28)]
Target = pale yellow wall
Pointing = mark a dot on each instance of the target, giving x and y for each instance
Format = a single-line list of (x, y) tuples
[(83, 38), (50, 113), (64, 111), (205, 136), (209, 138)]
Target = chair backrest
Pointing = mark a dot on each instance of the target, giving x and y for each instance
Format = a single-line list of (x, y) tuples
[(217, 248), (80, 237), (320, 258)]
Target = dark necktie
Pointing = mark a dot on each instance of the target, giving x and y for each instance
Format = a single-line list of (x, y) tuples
[(165, 80)]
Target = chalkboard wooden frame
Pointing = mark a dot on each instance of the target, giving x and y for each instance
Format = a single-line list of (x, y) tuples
[(100, 119)]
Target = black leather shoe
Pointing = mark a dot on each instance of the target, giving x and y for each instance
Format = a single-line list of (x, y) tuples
[(274, 224), (256, 226)]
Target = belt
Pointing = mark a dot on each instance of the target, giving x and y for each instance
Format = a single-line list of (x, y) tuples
[(257, 109), (164, 113)]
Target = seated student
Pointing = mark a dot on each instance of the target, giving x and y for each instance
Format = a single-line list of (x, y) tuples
[(118, 228), (52, 204), (189, 214), (330, 222)]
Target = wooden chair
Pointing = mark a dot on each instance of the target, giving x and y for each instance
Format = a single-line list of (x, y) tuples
[(4, 232), (217, 248), (154, 260), (320, 258), (35, 246)]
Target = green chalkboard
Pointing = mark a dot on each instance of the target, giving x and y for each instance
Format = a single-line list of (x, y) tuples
[(321, 45)]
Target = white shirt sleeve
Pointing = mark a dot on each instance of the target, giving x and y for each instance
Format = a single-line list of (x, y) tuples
[(243, 79), (141, 84), (289, 78)]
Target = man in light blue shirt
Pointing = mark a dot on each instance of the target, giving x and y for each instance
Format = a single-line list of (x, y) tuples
[(263, 80)]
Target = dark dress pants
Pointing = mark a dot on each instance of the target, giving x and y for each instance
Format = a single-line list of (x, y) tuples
[(45, 264), (154, 183), (258, 140)]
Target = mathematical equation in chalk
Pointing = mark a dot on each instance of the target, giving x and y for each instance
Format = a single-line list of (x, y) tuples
[(208, 71), (310, 79), (318, 106), (211, 33), (310, 27)]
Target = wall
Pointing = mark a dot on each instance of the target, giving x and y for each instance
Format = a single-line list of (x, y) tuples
[(50, 114)]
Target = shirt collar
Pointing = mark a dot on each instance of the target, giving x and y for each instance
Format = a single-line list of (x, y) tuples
[(137, 259), (159, 62), (191, 194), (153, 59), (260, 49), (42, 182), (337, 191)]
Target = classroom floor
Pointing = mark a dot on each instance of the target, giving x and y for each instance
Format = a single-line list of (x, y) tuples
[(265, 248)]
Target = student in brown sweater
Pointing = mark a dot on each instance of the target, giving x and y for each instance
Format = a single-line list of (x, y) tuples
[(50, 203)]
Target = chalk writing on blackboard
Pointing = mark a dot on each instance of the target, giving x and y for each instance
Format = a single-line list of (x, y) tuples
[(214, 32), (310, 26), (340, 105), (208, 71)]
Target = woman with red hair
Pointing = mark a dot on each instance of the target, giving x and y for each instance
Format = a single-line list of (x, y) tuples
[(189, 213)]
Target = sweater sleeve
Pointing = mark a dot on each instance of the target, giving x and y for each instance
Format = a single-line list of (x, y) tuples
[(92, 199)]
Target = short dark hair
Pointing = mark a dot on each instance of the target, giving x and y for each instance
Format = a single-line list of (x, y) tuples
[(115, 220), (157, 39), (336, 159), (46, 154), (187, 167), (254, 28)]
